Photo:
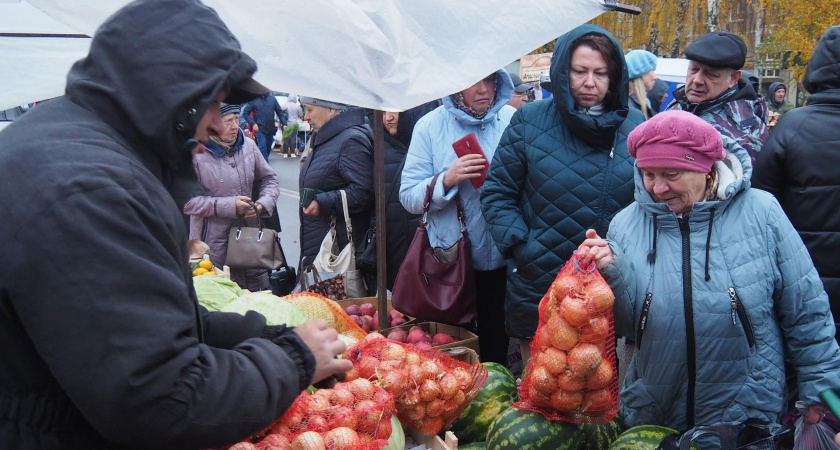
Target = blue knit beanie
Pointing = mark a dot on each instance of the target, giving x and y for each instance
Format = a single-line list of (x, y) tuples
[(639, 62)]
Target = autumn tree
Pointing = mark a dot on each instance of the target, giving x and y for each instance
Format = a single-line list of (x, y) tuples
[(793, 28)]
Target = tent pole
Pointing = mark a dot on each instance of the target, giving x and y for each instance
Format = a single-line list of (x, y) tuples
[(379, 189)]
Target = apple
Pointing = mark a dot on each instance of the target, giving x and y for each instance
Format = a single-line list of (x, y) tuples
[(353, 310), (398, 335), (423, 345), (367, 323), (356, 319), (396, 321), (395, 313), (368, 309), (442, 339), (416, 335)]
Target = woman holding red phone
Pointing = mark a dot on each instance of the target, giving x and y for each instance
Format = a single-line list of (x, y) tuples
[(480, 109)]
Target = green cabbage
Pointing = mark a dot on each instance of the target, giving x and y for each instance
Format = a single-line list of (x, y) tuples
[(276, 310), (214, 292), (397, 439)]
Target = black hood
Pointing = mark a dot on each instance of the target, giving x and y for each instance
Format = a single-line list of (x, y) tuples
[(152, 78), (409, 118), (824, 68), (598, 131)]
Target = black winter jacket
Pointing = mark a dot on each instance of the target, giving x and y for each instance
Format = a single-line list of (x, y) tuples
[(264, 109), (341, 158), (400, 223), (799, 165), (104, 345)]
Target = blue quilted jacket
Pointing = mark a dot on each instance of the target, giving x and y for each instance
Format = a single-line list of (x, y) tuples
[(557, 172), (717, 302)]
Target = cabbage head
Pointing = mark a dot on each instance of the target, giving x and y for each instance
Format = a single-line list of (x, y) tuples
[(276, 310), (397, 439), (214, 292)]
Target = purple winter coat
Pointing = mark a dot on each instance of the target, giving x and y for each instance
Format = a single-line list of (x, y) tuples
[(227, 175)]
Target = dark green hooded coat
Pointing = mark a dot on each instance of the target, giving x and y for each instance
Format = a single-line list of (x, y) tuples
[(556, 173)]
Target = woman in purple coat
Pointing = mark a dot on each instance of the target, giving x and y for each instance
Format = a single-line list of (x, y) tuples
[(231, 169)]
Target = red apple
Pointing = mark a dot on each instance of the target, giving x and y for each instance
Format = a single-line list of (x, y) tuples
[(353, 310), (397, 321), (368, 309), (423, 345), (442, 339), (398, 335), (367, 323), (395, 313), (416, 335), (356, 319)]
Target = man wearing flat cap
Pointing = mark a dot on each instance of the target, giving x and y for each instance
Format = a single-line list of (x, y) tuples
[(715, 92), (114, 351)]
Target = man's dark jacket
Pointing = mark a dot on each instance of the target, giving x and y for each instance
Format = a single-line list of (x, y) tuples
[(799, 165), (104, 345), (341, 158), (264, 109)]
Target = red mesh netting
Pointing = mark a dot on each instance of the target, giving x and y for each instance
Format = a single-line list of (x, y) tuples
[(430, 388), (571, 375), (315, 306), (354, 415)]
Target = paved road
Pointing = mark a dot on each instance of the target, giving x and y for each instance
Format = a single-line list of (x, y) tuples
[(287, 204)]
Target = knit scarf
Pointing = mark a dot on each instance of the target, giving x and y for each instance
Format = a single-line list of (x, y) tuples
[(594, 111), (458, 100)]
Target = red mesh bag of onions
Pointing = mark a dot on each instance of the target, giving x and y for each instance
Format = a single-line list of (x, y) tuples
[(430, 388), (571, 375), (354, 415)]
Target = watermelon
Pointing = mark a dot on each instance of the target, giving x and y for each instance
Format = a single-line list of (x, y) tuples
[(595, 437), (515, 429), (494, 397), (642, 437), (472, 446)]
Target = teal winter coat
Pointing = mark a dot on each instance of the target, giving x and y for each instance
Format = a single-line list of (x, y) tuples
[(557, 172), (717, 302)]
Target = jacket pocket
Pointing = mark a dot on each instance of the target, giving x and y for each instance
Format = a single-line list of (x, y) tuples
[(738, 313)]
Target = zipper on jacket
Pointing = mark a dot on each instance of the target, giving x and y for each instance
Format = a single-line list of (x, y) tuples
[(643, 320), (741, 312), (688, 307)]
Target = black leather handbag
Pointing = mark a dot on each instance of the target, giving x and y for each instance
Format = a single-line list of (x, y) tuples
[(284, 279)]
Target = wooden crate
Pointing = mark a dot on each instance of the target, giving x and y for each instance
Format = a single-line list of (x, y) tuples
[(450, 442)]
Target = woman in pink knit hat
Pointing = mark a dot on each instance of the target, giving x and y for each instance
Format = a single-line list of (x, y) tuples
[(714, 286)]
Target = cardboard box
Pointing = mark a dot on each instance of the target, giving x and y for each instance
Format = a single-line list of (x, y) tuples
[(434, 442), (463, 337), (464, 354)]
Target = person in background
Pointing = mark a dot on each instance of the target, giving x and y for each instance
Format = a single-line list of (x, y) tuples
[(561, 167), (657, 96), (641, 65), (400, 223), (760, 104), (294, 116), (231, 169), (481, 109), (341, 159), (522, 93), (778, 105), (798, 166), (262, 122), (117, 353), (715, 92), (712, 281)]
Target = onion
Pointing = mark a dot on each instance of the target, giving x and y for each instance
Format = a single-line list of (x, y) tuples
[(367, 415), (449, 386), (553, 360), (596, 402), (341, 438), (561, 334), (429, 390), (574, 311), (565, 401), (362, 388), (434, 408), (584, 358), (309, 440), (543, 381), (601, 377), (600, 296), (367, 366)]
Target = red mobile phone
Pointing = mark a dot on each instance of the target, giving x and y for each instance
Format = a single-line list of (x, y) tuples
[(468, 145)]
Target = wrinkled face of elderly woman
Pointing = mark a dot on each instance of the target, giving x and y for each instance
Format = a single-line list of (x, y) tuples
[(230, 122), (680, 189)]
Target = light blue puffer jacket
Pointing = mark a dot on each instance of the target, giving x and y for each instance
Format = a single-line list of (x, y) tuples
[(731, 295), (430, 153)]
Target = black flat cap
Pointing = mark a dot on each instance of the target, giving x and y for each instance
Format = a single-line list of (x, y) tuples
[(718, 49)]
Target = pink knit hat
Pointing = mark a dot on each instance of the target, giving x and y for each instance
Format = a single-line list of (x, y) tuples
[(676, 140)]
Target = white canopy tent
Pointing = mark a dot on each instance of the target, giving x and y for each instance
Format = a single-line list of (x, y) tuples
[(389, 55)]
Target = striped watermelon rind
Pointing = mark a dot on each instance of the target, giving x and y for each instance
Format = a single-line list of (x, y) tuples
[(596, 436), (472, 446), (642, 437), (494, 397), (515, 429)]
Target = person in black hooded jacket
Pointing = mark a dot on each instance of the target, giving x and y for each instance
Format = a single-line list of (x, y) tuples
[(400, 223), (104, 345), (799, 165)]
